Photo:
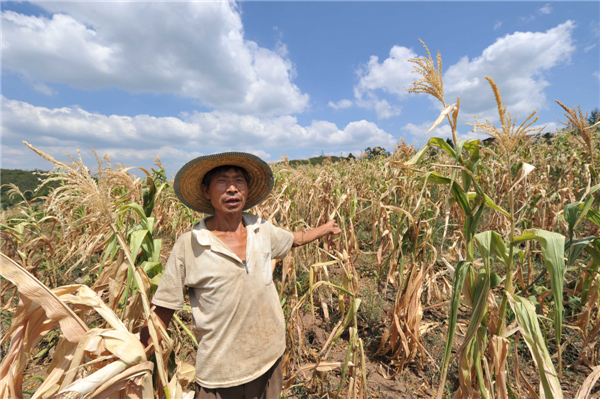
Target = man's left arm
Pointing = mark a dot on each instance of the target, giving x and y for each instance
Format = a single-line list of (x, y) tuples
[(305, 236)]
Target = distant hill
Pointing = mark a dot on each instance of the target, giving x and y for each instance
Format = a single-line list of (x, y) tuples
[(26, 180), (316, 160)]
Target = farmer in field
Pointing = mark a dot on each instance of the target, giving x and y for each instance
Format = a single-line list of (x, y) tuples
[(225, 263)]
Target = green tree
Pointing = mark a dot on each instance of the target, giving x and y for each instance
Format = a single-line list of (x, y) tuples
[(376, 152), (593, 118)]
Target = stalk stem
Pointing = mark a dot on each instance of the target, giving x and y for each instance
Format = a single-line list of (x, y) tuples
[(509, 267)]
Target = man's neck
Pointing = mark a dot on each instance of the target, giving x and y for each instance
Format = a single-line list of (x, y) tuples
[(225, 222)]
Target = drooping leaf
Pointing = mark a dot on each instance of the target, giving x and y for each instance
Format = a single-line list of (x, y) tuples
[(136, 240), (586, 388), (530, 329), (136, 207), (553, 251), (489, 203), (71, 325), (457, 287), (525, 170), (440, 119), (433, 142)]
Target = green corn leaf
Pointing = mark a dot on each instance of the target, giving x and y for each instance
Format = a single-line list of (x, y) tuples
[(495, 280), (489, 203), (150, 224), (152, 268), (337, 287), (352, 311), (135, 241), (553, 251), (156, 279), (482, 290), (594, 216), (457, 286), (574, 248), (148, 247), (137, 208), (149, 195), (109, 251), (433, 142), (530, 329), (157, 244)]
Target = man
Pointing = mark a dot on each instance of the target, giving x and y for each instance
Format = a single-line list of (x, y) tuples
[(225, 263)]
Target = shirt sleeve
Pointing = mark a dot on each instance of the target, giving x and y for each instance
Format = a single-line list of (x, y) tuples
[(171, 289), (281, 242)]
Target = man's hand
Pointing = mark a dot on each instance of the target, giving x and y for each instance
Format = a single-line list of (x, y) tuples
[(164, 316), (306, 236), (332, 227)]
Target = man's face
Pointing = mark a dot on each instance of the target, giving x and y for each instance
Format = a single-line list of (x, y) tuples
[(227, 192)]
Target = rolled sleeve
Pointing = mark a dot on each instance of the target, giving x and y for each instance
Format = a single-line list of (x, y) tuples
[(281, 242), (171, 289)]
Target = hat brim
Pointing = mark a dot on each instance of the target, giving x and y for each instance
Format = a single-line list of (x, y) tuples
[(188, 180)]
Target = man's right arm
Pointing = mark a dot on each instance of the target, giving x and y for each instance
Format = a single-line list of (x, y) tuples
[(164, 315)]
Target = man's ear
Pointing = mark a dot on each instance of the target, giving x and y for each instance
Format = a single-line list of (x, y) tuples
[(205, 191)]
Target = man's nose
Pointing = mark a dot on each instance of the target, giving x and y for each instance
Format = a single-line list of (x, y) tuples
[(232, 188)]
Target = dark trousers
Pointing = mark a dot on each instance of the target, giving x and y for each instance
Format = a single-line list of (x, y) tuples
[(267, 386)]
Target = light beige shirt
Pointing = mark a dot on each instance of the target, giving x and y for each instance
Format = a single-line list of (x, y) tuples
[(238, 320)]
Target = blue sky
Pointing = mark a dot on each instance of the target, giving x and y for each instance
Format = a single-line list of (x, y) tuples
[(181, 80)]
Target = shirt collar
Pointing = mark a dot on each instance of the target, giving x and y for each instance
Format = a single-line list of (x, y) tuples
[(204, 237)]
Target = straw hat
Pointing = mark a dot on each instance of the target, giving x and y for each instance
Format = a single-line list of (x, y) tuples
[(188, 180)]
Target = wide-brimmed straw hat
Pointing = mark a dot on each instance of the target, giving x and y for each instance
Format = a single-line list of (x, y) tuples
[(188, 180)]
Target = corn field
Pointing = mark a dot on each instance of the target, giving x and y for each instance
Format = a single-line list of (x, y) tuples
[(463, 270)]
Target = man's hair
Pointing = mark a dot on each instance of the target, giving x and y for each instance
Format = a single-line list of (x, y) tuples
[(221, 169)]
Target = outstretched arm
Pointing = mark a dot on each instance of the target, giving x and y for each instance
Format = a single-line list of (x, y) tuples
[(306, 236)]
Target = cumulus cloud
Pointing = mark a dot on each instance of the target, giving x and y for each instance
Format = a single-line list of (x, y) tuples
[(517, 63), (191, 49), (419, 131), (390, 76), (340, 104), (137, 138), (548, 127)]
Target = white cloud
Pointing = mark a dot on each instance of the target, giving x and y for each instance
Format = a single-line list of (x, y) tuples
[(192, 49), (497, 25), (597, 75), (340, 104), (547, 127), (517, 63), (590, 47), (545, 9), (391, 76), (419, 131), (135, 139), (384, 110)]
